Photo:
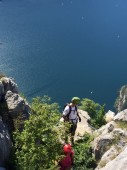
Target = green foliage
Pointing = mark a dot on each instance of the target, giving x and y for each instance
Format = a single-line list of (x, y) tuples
[(84, 160), (18, 121), (95, 110), (38, 145)]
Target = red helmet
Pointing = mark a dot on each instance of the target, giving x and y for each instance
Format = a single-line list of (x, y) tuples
[(67, 148)]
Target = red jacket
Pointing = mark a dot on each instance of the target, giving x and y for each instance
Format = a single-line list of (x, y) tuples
[(67, 161)]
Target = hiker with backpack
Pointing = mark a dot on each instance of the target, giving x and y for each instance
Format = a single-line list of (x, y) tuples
[(71, 115), (67, 162)]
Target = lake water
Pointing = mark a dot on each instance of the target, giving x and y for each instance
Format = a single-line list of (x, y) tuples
[(65, 48)]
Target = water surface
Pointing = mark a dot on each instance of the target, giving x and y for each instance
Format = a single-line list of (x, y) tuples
[(65, 48)]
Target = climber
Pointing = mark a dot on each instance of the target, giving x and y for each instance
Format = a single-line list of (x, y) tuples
[(71, 115), (67, 162)]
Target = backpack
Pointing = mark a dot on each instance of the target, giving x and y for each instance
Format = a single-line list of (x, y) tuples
[(66, 118)]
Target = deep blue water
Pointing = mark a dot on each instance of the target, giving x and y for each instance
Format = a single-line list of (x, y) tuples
[(65, 48)]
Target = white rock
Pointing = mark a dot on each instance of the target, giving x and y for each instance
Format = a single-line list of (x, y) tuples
[(14, 102), (121, 116), (9, 85), (119, 163), (109, 116)]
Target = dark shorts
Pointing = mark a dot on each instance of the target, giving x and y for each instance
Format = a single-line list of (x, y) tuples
[(73, 128)]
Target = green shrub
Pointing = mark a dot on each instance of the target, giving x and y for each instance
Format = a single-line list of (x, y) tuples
[(84, 160), (38, 145), (95, 110)]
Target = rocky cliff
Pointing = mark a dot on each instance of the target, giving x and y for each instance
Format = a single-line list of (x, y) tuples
[(110, 141), (110, 144), (121, 101), (11, 106)]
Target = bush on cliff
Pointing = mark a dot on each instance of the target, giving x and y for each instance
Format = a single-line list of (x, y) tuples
[(95, 110), (38, 145), (84, 160)]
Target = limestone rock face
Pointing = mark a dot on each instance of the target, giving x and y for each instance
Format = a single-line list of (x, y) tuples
[(83, 126), (104, 130), (110, 143), (14, 101), (121, 101), (9, 85), (101, 145), (16, 104), (109, 116), (12, 105), (121, 116), (119, 163), (5, 143), (108, 156), (84, 114)]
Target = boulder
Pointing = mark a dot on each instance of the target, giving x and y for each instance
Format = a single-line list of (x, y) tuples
[(9, 85), (107, 136), (118, 163), (109, 127), (101, 145), (121, 116), (110, 141), (15, 103), (109, 116), (107, 157)]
